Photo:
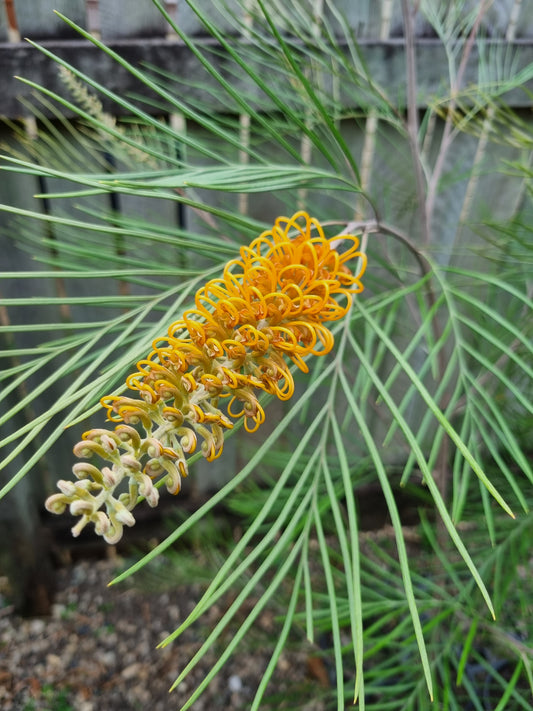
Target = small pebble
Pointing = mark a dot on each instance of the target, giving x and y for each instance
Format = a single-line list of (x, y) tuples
[(37, 627), (235, 683), (90, 655), (58, 610), (53, 661), (108, 659)]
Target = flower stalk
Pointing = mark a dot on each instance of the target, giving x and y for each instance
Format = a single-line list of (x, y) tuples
[(267, 310)]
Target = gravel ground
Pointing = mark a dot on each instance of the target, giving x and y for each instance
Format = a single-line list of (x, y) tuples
[(97, 652)]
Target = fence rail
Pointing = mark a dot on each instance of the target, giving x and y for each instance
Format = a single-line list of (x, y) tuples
[(114, 19)]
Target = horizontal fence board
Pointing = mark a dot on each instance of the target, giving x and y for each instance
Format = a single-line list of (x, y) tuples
[(37, 20), (120, 19), (123, 18), (384, 60), (226, 19), (367, 18)]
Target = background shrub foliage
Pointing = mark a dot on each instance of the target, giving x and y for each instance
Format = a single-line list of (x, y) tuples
[(427, 392)]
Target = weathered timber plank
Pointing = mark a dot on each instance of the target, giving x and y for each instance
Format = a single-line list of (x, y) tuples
[(385, 61), (122, 18), (4, 36), (365, 17), (226, 17), (39, 21)]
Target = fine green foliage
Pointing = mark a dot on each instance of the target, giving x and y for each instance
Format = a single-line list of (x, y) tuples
[(428, 390)]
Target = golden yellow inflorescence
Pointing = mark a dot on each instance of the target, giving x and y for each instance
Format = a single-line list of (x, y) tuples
[(269, 306)]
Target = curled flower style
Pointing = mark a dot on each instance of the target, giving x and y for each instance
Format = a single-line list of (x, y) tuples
[(269, 308)]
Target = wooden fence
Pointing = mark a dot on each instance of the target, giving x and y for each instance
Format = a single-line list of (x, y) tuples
[(139, 32)]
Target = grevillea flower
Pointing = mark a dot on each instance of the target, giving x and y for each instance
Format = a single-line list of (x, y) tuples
[(269, 308)]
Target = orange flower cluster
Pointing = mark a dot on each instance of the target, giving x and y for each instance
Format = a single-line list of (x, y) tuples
[(269, 306)]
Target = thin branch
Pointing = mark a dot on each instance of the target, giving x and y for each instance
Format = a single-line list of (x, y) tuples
[(374, 226), (447, 135), (412, 122)]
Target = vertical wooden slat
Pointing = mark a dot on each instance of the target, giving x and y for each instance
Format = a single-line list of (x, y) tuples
[(32, 131), (244, 119), (178, 123), (13, 33), (473, 182), (24, 552), (93, 17), (525, 24), (306, 145), (171, 6), (371, 125), (4, 37), (514, 17)]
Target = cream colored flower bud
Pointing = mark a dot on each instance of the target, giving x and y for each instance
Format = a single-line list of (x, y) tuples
[(85, 470), (123, 515), (108, 443), (148, 490), (79, 507), (111, 477), (154, 468), (67, 487), (114, 533), (56, 503), (173, 479), (152, 447), (102, 523), (128, 461)]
